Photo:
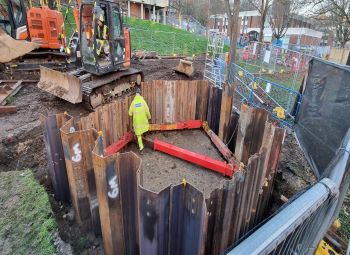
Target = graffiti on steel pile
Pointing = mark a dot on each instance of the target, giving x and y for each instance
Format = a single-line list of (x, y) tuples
[(112, 180), (77, 153)]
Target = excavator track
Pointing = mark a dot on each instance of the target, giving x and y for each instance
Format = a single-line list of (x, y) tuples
[(81, 86), (104, 89)]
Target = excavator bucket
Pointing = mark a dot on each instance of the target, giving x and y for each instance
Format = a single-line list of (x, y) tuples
[(185, 67), (11, 48), (63, 85)]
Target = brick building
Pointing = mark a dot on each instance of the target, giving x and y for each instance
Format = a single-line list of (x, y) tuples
[(300, 31), (148, 9)]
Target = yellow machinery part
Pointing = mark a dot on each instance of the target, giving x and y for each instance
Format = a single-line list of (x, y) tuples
[(324, 248)]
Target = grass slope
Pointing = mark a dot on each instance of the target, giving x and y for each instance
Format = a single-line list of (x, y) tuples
[(344, 217), (26, 220), (166, 40), (69, 21)]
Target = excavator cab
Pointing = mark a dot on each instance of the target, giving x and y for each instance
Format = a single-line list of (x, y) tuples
[(13, 18), (104, 41)]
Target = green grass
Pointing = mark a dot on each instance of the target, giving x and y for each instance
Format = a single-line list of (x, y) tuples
[(285, 79), (69, 21), (10, 99), (344, 217), (166, 40), (27, 225)]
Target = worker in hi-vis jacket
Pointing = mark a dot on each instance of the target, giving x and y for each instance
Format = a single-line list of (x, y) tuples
[(140, 112)]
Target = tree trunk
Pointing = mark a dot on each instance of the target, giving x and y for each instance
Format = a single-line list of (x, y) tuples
[(188, 23), (180, 19), (342, 44), (263, 19), (234, 30)]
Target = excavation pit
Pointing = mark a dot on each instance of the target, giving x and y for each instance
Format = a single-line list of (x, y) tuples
[(140, 200), (161, 170)]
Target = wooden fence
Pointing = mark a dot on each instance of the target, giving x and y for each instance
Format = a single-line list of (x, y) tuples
[(177, 220)]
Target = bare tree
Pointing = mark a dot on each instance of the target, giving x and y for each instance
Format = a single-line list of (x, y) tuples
[(197, 9), (338, 14), (217, 6), (342, 29), (201, 13), (233, 19), (280, 17), (262, 6), (178, 6)]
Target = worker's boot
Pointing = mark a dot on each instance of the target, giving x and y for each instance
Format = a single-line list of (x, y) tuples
[(139, 141)]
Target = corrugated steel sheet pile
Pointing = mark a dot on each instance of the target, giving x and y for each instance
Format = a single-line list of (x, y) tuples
[(107, 192)]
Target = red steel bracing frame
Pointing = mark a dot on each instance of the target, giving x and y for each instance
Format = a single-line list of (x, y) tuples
[(120, 144), (224, 150), (189, 124), (198, 159), (224, 168)]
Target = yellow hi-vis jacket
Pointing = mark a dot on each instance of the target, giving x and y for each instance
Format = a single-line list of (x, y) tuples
[(101, 38), (140, 112)]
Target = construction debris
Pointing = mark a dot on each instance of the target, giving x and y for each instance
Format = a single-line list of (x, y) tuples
[(138, 54), (8, 89), (8, 109), (185, 66)]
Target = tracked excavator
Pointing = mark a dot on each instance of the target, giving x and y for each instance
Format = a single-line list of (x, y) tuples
[(31, 32), (104, 52)]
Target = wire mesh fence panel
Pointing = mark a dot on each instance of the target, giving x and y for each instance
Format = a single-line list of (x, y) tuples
[(243, 82), (167, 43), (300, 225), (275, 95), (263, 93), (187, 23), (294, 229), (277, 64)]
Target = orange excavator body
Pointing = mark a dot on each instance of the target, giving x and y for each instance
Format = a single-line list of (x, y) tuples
[(40, 25), (45, 27)]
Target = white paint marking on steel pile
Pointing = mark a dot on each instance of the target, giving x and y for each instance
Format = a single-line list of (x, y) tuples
[(113, 184), (71, 130), (77, 153)]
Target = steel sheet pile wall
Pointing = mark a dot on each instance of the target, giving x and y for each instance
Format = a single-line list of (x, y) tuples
[(112, 119), (179, 219), (172, 221), (116, 184), (77, 147), (240, 205), (57, 168), (214, 107), (173, 101)]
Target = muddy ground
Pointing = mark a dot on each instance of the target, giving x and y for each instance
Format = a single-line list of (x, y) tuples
[(21, 146), (160, 170)]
